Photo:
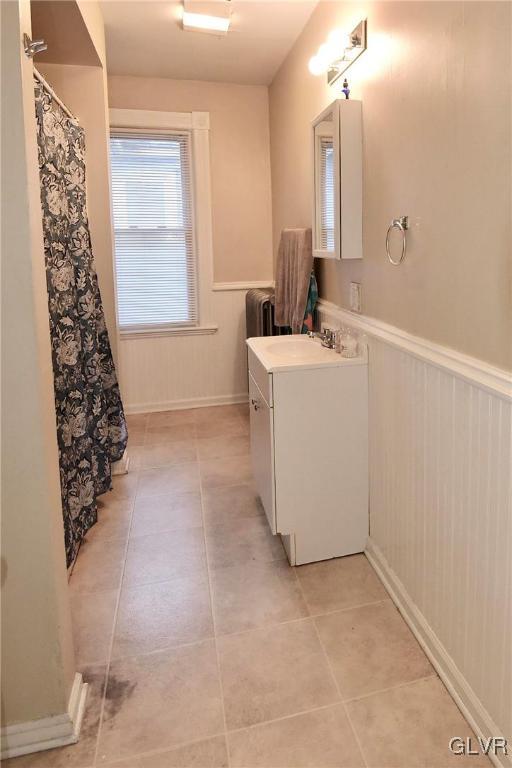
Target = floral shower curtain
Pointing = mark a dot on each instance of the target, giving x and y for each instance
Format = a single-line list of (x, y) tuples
[(91, 427)]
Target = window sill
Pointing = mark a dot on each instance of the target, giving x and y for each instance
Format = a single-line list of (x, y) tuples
[(148, 333)]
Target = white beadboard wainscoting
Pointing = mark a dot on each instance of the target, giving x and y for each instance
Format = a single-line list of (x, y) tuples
[(441, 509), (185, 370)]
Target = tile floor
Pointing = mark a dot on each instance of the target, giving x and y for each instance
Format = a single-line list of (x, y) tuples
[(203, 648)]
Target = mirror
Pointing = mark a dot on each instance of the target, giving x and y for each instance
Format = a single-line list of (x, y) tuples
[(326, 201), (337, 193)]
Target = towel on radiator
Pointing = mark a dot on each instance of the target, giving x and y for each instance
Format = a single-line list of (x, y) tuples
[(293, 272)]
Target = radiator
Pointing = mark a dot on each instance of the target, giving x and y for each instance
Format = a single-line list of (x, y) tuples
[(259, 313)]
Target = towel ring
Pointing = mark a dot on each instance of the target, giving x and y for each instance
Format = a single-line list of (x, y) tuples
[(402, 223)]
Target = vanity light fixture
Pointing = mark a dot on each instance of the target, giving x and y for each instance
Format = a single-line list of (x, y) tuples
[(339, 52), (211, 17)]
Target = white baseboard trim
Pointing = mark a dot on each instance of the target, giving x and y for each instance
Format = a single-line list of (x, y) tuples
[(495, 380), (180, 405), (121, 467), (48, 732), (243, 286), (461, 692)]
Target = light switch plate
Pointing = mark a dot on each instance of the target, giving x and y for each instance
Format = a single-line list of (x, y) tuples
[(355, 297)]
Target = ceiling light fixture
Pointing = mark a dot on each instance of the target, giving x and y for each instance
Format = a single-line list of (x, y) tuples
[(339, 52), (211, 16), (205, 23)]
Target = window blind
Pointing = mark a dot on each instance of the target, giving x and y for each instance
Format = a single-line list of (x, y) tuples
[(326, 193), (154, 234)]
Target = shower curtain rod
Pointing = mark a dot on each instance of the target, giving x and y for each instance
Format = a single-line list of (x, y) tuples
[(50, 90)]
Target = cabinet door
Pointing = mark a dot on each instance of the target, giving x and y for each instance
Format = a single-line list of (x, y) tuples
[(262, 450)]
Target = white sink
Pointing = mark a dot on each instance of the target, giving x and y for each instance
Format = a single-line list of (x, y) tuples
[(297, 349), (288, 352)]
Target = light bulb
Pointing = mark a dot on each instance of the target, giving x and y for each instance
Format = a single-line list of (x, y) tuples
[(324, 53), (317, 66), (338, 40)]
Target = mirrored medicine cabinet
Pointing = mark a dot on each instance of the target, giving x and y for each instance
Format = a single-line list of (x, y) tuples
[(338, 183)]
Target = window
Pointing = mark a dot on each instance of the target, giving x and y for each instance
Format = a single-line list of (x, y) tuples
[(156, 262)]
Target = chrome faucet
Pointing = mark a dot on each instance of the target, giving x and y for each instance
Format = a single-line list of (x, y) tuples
[(327, 337)]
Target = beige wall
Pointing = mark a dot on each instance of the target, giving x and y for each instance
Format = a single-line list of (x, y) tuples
[(37, 649), (435, 84), (83, 90), (90, 11), (240, 165)]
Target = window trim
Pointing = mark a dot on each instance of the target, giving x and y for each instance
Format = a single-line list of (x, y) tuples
[(198, 123)]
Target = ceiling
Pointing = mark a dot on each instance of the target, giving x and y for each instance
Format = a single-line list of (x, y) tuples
[(146, 39)]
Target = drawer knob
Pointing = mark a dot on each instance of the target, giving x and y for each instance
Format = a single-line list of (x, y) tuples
[(255, 403)]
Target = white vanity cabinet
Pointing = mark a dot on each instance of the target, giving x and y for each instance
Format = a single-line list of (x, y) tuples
[(309, 445)]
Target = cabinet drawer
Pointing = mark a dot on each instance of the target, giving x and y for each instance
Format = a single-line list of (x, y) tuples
[(262, 378), (262, 450)]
